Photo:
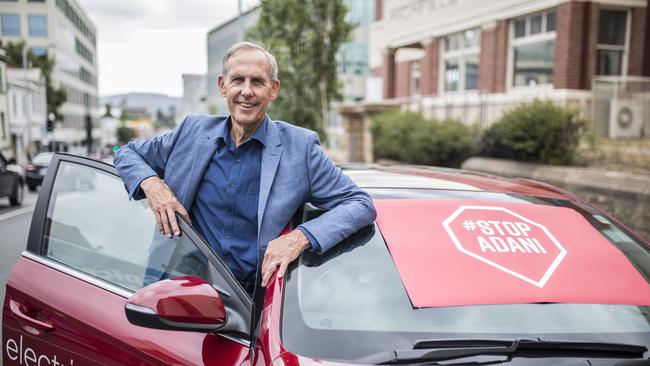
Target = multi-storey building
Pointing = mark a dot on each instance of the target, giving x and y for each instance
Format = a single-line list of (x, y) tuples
[(219, 40), (60, 29), (194, 95), (27, 109), (353, 68), (474, 59), (353, 71)]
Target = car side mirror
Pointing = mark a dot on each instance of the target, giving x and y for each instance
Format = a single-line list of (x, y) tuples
[(184, 303)]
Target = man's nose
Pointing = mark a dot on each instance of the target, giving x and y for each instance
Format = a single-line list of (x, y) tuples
[(246, 88)]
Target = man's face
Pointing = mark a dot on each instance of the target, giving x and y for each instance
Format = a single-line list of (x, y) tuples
[(248, 87)]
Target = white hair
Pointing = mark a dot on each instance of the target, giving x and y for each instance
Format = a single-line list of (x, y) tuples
[(273, 74)]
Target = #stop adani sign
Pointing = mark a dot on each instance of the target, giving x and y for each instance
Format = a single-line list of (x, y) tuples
[(507, 241), (452, 252)]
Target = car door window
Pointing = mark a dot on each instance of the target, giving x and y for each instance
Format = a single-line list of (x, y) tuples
[(93, 227)]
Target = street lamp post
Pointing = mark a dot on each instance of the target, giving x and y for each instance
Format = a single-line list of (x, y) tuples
[(28, 117), (240, 21)]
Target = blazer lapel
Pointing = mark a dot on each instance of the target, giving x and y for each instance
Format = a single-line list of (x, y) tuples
[(270, 161)]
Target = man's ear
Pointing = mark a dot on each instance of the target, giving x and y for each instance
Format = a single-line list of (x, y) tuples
[(275, 88), (221, 81)]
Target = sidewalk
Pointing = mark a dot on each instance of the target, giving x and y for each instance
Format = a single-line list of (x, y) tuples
[(615, 183)]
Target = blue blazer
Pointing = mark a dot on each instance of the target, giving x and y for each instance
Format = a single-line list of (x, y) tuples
[(295, 170)]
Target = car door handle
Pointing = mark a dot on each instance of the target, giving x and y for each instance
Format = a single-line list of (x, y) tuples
[(17, 309)]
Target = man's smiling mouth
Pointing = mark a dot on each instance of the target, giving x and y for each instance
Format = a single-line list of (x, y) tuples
[(246, 105)]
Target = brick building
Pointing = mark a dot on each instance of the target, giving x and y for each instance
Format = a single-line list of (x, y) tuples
[(474, 59)]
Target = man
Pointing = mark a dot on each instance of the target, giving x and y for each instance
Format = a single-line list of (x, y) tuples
[(242, 177)]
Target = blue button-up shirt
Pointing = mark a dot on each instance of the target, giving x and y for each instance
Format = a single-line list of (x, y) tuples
[(225, 206)]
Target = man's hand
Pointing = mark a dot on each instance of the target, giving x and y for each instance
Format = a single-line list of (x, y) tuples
[(281, 252), (164, 205)]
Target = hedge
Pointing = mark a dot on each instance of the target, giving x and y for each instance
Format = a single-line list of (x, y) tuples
[(538, 132), (411, 138)]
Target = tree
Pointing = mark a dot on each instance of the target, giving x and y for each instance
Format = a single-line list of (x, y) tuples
[(109, 110), (55, 96), (124, 134), (164, 120), (304, 36)]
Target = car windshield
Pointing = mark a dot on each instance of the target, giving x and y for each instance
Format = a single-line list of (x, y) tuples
[(351, 301)]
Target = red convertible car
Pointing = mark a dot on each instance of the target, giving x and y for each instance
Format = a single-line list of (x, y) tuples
[(459, 268)]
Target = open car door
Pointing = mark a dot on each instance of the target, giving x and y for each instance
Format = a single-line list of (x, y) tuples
[(90, 252)]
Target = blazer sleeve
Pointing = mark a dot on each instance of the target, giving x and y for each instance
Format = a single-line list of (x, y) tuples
[(348, 207), (138, 160)]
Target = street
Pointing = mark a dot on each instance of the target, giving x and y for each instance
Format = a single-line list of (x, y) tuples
[(14, 228)]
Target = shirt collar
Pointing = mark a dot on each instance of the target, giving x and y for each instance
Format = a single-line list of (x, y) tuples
[(223, 134)]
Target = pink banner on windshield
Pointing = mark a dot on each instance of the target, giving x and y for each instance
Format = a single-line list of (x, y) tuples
[(451, 253)]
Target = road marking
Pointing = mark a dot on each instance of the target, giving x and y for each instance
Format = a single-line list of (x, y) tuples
[(17, 212)]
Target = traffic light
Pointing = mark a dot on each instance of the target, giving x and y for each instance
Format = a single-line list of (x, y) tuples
[(49, 124)]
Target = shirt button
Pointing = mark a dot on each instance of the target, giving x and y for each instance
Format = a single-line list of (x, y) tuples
[(238, 160), (232, 185)]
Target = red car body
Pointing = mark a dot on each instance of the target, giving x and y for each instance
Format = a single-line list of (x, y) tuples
[(56, 313)]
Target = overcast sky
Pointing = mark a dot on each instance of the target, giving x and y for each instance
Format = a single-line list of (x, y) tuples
[(145, 45)]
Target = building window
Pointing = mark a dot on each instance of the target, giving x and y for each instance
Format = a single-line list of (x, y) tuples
[(83, 51), (612, 38), (460, 60), (39, 51), (37, 25), (86, 76), (533, 49), (415, 74), (75, 19), (10, 24)]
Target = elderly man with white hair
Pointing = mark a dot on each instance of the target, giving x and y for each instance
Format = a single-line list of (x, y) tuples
[(239, 178)]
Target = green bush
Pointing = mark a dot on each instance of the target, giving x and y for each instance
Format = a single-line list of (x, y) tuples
[(410, 137), (539, 132)]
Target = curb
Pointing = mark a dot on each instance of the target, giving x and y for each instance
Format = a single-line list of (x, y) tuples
[(612, 183)]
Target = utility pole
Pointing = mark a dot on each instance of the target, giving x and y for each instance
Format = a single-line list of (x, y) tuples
[(240, 21), (88, 124), (27, 108)]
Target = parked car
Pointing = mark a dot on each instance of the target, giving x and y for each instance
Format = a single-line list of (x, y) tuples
[(36, 170), (459, 268), (12, 179)]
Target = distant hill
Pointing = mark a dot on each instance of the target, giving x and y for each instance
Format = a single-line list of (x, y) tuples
[(151, 101)]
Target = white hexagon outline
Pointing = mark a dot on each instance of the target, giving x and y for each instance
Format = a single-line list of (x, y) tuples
[(549, 271)]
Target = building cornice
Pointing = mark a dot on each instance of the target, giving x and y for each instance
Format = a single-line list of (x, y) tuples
[(465, 15)]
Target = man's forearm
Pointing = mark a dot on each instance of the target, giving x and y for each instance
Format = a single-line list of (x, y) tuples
[(341, 221)]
